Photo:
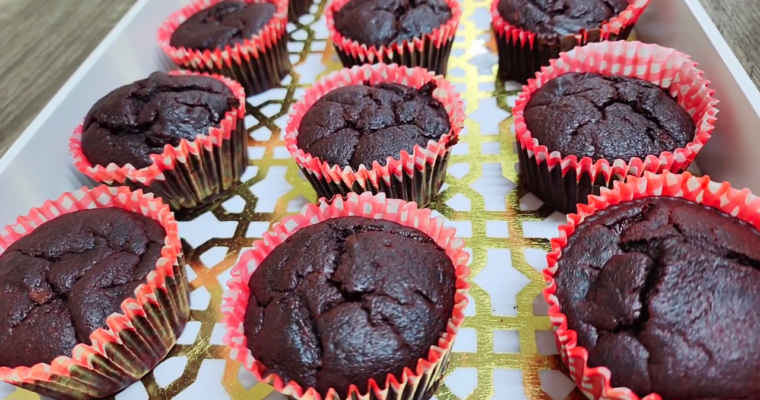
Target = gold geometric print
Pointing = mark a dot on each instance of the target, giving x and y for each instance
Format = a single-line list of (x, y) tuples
[(505, 349)]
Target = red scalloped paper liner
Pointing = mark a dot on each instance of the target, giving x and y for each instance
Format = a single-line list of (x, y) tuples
[(522, 53), (411, 385), (413, 177), (596, 382), (564, 181), (187, 176), (431, 51), (134, 342), (259, 63)]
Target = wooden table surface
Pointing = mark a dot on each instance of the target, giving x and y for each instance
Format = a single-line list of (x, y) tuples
[(44, 41)]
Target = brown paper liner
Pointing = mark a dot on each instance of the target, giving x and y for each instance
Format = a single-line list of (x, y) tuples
[(562, 181), (297, 8), (190, 175), (596, 382), (431, 51), (259, 63), (413, 177), (522, 53), (418, 384), (136, 340)]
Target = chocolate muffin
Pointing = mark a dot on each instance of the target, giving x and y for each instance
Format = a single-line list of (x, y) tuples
[(348, 300), (607, 117), (224, 24), (357, 125), (137, 120), (551, 19), (59, 283), (382, 23), (530, 33), (664, 292)]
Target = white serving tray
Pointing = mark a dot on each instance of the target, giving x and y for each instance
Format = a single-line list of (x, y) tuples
[(37, 167)]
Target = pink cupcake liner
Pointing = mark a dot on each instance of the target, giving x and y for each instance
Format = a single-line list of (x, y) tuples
[(134, 342), (562, 181), (431, 51), (596, 382), (412, 384), (413, 177), (522, 53), (258, 63), (187, 176)]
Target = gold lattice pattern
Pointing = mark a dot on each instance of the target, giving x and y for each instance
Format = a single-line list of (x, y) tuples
[(505, 350)]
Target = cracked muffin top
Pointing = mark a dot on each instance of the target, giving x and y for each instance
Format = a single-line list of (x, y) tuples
[(59, 283), (554, 18), (225, 24), (347, 300), (384, 22), (137, 120), (664, 292), (359, 124), (607, 117)]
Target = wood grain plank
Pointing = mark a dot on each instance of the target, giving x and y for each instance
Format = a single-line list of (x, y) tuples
[(43, 42), (737, 21)]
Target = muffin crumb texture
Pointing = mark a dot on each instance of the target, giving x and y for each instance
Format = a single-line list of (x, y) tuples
[(359, 124), (384, 22), (348, 300), (135, 121), (607, 117), (664, 292), (553, 18), (227, 23), (61, 282)]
